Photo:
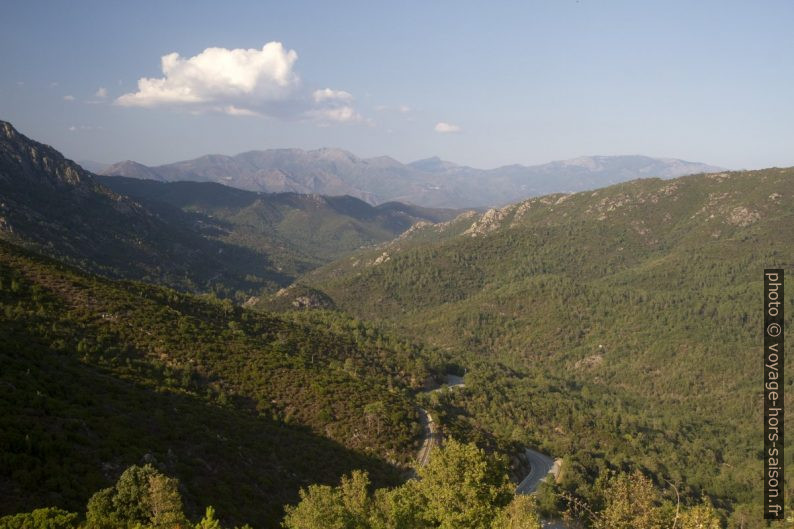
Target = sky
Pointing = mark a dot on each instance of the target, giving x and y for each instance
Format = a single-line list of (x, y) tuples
[(478, 83)]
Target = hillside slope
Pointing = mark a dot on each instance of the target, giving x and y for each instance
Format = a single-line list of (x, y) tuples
[(243, 408), (193, 236), (51, 204), (297, 232), (642, 298)]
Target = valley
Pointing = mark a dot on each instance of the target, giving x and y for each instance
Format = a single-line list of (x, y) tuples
[(377, 265), (259, 347)]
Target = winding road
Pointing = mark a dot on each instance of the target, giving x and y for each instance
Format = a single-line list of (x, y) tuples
[(541, 465)]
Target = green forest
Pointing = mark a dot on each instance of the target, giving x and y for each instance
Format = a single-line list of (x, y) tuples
[(160, 370), (462, 486)]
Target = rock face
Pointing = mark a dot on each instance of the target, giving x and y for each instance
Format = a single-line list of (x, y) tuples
[(431, 182), (24, 162), (51, 204), (297, 296)]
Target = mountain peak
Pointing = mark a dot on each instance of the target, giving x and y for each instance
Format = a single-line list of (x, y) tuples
[(430, 182), (132, 169), (8, 129), (24, 159), (434, 164)]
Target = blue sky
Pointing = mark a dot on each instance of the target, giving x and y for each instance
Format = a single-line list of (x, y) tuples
[(479, 84)]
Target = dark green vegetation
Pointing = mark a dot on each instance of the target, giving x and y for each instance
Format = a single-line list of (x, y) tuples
[(460, 488), (51, 204), (242, 407), (618, 328), (192, 236), (297, 232)]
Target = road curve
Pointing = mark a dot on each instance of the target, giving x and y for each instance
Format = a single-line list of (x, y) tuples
[(432, 437), (432, 434), (540, 466)]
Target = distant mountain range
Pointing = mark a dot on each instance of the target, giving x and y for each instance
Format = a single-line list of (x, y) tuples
[(431, 182), (195, 236)]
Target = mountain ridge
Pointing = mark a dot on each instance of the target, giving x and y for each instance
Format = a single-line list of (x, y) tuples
[(193, 236), (430, 182), (640, 297)]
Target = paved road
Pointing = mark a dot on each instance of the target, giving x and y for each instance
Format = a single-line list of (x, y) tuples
[(432, 434), (540, 466), (432, 437)]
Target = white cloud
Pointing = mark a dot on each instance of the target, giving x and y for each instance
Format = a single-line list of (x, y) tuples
[(404, 109), (68, 98), (446, 128), (334, 106), (326, 94), (101, 92), (218, 78), (241, 82), (340, 114)]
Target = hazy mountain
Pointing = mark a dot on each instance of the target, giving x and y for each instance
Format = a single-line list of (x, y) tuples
[(132, 170), (430, 182), (197, 236), (53, 205)]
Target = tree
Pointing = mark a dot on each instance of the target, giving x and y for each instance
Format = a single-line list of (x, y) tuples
[(131, 500), (209, 521), (630, 502), (463, 488), (141, 496), (521, 513), (700, 517), (47, 518), (165, 502), (100, 513), (399, 508), (347, 506)]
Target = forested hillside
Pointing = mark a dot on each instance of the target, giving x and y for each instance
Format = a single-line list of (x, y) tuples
[(191, 236), (296, 232), (241, 407), (627, 321)]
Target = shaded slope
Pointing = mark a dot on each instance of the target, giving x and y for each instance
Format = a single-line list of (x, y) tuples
[(52, 204), (242, 407)]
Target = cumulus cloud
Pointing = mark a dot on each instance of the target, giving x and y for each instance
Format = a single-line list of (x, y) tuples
[(334, 106), (220, 78), (446, 128), (241, 82), (101, 92), (68, 98)]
